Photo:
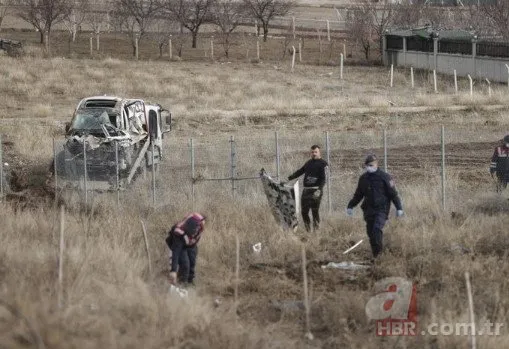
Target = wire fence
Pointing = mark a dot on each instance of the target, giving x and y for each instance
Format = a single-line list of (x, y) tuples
[(208, 171)]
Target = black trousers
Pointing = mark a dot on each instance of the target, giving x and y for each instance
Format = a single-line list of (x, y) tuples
[(187, 264), (375, 223), (310, 201), (501, 184)]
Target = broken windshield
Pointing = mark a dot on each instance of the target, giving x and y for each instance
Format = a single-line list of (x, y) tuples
[(92, 118)]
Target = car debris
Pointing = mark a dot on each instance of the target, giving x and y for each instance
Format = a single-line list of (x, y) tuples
[(346, 266), (98, 127)]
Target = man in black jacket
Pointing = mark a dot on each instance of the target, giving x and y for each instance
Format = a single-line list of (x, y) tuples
[(378, 191), (314, 181)]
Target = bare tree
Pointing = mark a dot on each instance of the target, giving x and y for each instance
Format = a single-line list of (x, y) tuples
[(437, 17), (136, 16), (497, 12), (383, 16), (43, 14), (265, 11), (5, 10), (227, 15), (163, 31), (191, 14), (360, 25), (407, 13), (99, 16), (74, 18)]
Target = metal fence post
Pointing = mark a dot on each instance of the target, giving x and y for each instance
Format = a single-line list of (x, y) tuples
[(191, 143), (385, 149), (1, 171), (153, 176), (443, 166), (117, 170), (55, 173), (327, 147), (233, 164), (85, 175), (278, 156)]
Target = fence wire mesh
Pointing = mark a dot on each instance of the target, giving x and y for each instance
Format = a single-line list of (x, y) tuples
[(210, 170)]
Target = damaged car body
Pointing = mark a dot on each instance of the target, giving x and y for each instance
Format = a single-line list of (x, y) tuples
[(114, 137)]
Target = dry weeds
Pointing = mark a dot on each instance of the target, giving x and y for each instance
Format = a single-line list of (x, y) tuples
[(110, 300)]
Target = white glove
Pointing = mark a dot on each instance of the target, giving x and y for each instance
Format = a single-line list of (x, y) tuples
[(399, 213), (349, 212)]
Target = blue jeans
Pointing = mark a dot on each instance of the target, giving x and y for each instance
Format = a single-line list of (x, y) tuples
[(187, 263)]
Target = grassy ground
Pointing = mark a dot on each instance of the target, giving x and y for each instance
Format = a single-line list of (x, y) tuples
[(111, 300)]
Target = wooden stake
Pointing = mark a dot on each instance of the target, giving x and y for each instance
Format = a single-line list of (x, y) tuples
[(435, 81), (300, 51), (412, 77), (91, 45), (293, 58), (328, 30), (489, 87), (237, 274), (136, 42), (392, 75), (471, 85), (455, 82), (146, 245), (258, 49), (293, 27), (212, 48), (309, 335), (471, 311), (170, 49), (341, 58), (97, 41), (61, 259)]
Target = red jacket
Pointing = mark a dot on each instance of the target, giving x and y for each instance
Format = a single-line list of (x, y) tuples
[(500, 163), (193, 220)]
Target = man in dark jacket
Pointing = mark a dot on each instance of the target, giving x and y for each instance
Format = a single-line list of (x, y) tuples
[(314, 181), (378, 191), (500, 164), (182, 241)]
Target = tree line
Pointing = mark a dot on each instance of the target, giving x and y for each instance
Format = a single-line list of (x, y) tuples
[(140, 18), (369, 19)]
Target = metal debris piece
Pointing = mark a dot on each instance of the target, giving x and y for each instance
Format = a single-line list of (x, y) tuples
[(345, 266), (354, 246), (257, 248)]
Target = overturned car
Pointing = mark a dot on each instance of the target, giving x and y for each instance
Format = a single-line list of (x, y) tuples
[(110, 141)]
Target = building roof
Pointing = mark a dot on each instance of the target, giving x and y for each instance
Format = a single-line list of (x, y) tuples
[(429, 33)]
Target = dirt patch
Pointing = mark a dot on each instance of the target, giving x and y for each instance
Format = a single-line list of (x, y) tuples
[(26, 182)]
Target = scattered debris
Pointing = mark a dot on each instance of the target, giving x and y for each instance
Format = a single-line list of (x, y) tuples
[(345, 266), (459, 248), (183, 293), (12, 47), (257, 248), (354, 246), (287, 305)]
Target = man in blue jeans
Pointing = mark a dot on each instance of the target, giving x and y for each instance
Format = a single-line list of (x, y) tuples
[(377, 190), (183, 242)]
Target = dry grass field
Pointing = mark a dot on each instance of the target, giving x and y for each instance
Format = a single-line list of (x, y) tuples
[(112, 301)]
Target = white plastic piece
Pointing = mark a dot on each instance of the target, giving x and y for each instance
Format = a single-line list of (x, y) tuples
[(354, 246)]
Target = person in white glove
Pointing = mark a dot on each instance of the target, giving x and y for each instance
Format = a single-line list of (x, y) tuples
[(376, 190)]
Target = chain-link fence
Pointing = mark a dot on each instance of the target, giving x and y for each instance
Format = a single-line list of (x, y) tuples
[(206, 170)]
